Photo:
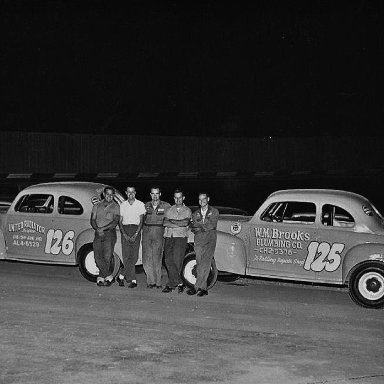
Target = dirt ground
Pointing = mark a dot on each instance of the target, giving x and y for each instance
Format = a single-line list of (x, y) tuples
[(56, 327)]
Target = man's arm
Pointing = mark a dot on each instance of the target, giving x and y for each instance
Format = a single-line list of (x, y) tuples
[(133, 238), (122, 230), (211, 221), (93, 219), (180, 223), (112, 224)]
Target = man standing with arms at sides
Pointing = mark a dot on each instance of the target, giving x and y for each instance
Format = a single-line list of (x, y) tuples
[(104, 219), (131, 221), (176, 235), (153, 238), (204, 223)]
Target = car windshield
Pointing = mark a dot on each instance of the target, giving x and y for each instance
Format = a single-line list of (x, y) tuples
[(118, 197)]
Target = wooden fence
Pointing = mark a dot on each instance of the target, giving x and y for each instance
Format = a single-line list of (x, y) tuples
[(22, 152)]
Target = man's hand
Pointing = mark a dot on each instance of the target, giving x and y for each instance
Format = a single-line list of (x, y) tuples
[(100, 231), (132, 238)]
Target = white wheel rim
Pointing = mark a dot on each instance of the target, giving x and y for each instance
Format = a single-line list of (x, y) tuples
[(188, 275), (90, 264), (364, 283)]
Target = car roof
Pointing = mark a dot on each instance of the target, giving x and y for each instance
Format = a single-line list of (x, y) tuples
[(81, 187), (334, 195)]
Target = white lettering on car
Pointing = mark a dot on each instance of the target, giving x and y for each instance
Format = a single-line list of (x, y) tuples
[(322, 256), (54, 244)]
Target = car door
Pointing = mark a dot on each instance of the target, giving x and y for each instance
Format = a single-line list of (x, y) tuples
[(27, 225), (279, 240), (327, 251), (69, 221)]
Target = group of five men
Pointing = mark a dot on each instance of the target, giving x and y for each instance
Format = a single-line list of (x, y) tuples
[(160, 227)]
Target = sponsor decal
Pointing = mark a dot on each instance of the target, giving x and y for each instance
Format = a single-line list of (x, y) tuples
[(236, 228), (275, 246), (28, 234), (277, 242), (26, 226)]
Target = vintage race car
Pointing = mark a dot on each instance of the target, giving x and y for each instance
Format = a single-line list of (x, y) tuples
[(320, 236), (50, 223)]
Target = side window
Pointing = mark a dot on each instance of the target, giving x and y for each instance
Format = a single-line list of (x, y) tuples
[(334, 216), (69, 206), (35, 203), (291, 212)]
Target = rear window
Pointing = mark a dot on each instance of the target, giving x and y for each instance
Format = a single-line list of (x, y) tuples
[(334, 216), (69, 206)]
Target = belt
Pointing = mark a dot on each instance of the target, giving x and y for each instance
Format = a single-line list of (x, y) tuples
[(153, 225)]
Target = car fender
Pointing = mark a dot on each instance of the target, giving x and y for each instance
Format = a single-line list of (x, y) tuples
[(359, 254), (83, 238), (230, 253), (3, 247)]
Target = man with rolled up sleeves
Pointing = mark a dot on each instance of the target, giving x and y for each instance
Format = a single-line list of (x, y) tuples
[(104, 219), (203, 225), (176, 223)]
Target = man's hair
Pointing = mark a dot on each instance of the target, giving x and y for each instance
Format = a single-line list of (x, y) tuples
[(204, 193), (130, 186), (178, 191), (155, 187), (108, 188)]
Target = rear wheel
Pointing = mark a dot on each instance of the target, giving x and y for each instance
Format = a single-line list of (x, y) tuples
[(366, 285), (87, 264), (188, 272)]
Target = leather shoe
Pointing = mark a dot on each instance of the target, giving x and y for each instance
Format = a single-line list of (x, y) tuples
[(191, 291), (201, 292), (132, 284), (120, 281), (159, 286), (167, 289), (107, 283), (180, 288), (100, 283)]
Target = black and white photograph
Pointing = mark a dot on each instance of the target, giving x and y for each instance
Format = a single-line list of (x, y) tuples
[(191, 192)]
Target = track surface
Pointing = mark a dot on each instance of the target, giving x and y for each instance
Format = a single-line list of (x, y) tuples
[(56, 327)]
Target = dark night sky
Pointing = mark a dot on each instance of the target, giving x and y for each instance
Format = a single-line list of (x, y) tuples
[(195, 68)]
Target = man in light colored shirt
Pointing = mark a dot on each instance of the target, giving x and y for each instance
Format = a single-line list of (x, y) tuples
[(153, 238), (131, 221), (104, 219), (176, 223)]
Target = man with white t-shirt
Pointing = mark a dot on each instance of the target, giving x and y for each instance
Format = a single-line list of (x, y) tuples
[(132, 213)]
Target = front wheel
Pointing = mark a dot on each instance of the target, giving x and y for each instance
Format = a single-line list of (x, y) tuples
[(188, 272), (87, 264), (366, 286)]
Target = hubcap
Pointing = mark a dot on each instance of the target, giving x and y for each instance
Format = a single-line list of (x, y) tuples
[(371, 285), (90, 264), (190, 271)]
